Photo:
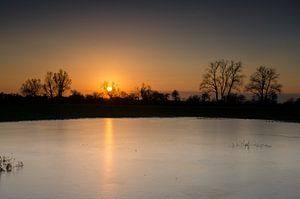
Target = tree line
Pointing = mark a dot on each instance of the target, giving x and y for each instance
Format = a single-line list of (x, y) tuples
[(55, 85), (224, 79), (222, 83)]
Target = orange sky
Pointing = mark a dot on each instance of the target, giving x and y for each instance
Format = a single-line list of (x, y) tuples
[(167, 45)]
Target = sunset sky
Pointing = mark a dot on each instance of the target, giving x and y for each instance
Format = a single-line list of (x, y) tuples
[(166, 44)]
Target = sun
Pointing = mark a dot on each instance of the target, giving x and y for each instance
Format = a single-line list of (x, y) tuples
[(109, 88)]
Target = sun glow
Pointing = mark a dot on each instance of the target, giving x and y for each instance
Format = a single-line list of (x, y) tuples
[(109, 88)]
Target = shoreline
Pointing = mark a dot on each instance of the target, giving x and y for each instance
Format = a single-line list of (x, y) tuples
[(158, 117), (33, 112)]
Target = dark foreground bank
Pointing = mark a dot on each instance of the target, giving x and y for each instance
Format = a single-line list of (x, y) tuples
[(23, 112)]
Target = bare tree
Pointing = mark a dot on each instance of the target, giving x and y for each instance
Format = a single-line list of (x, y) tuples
[(210, 82), (31, 87), (221, 78), (144, 92), (235, 77), (76, 96), (62, 82), (264, 84), (205, 97), (110, 89), (49, 85), (175, 95)]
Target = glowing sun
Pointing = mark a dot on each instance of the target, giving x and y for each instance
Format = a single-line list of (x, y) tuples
[(109, 88)]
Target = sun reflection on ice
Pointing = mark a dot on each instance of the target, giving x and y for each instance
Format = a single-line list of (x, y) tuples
[(108, 145), (108, 160)]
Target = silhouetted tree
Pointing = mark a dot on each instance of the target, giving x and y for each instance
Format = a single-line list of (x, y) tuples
[(31, 87), (236, 99), (145, 92), (205, 97), (10, 98), (221, 78), (110, 90), (75, 93), (133, 96), (264, 84), (292, 101), (49, 85), (156, 96), (175, 95), (76, 97), (123, 94), (95, 97), (193, 99), (62, 82), (289, 101), (166, 96)]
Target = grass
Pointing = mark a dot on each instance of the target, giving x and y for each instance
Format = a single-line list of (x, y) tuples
[(8, 164)]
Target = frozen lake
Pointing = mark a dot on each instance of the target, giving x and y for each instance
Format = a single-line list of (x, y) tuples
[(152, 158)]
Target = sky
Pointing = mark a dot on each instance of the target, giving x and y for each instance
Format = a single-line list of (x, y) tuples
[(167, 44)]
